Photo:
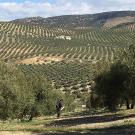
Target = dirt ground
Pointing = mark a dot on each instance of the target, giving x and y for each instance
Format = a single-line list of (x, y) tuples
[(86, 125), (40, 60)]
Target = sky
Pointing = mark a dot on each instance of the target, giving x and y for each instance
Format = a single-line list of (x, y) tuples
[(14, 9)]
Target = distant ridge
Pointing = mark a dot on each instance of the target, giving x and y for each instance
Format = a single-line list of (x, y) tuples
[(108, 19)]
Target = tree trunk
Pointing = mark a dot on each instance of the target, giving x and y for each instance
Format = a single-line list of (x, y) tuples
[(127, 103), (133, 104), (31, 117)]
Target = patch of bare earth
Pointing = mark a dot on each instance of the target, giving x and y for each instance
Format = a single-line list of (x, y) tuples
[(119, 20), (15, 133), (78, 125), (40, 60)]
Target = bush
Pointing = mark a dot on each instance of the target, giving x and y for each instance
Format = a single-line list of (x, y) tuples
[(69, 102), (14, 92), (24, 95)]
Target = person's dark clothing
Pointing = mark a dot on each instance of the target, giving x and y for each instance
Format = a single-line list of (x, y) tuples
[(58, 108)]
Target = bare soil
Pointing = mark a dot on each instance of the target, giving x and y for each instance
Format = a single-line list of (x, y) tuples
[(40, 60), (119, 20)]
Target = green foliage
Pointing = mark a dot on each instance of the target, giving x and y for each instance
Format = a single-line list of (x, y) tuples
[(62, 75), (127, 57), (24, 96), (69, 102), (8, 100), (111, 85), (94, 101), (32, 93), (14, 92), (114, 83)]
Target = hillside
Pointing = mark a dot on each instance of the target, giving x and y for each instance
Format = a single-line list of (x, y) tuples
[(65, 56), (59, 58), (19, 42), (106, 19), (62, 52)]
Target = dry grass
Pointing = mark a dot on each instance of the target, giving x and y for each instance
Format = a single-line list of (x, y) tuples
[(15, 133), (78, 124)]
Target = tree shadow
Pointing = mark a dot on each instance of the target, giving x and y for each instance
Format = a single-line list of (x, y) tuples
[(87, 113), (86, 120), (121, 130)]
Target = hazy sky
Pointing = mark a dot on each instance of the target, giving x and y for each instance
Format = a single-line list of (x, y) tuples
[(12, 9)]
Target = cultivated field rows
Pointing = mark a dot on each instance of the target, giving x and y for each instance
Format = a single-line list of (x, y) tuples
[(19, 42), (68, 77)]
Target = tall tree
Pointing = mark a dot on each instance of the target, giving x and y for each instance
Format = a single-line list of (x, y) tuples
[(127, 57), (111, 85)]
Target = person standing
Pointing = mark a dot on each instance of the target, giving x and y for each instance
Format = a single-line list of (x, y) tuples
[(59, 107)]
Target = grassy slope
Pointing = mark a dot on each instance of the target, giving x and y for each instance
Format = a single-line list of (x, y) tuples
[(122, 122)]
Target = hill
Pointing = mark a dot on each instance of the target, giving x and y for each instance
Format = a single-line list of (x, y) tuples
[(21, 41), (67, 51), (106, 19), (64, 53)]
